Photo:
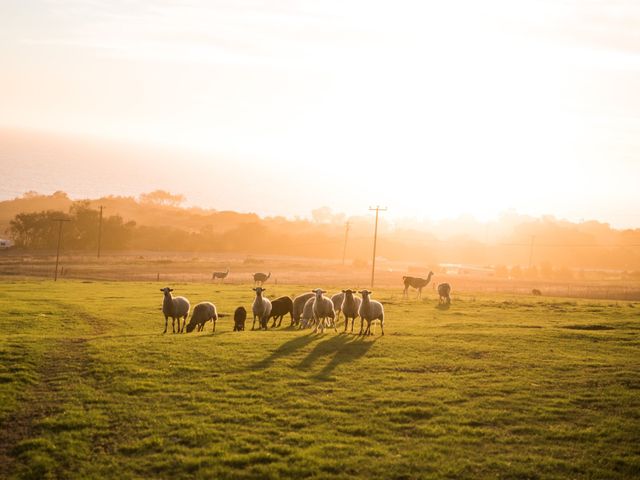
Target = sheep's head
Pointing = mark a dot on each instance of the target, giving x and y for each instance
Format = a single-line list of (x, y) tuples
[(364, 293), (190, 327), (348, 292), (319, 292), (259, 290), (166, 290)]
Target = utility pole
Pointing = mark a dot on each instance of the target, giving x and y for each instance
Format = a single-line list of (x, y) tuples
[(100, 231), (59, 220), (346, 235), (375, 241), (533, 238)]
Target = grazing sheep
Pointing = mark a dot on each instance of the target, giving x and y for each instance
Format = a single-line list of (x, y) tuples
[(260, 278), (337, 300), (536, 292), (370, 310), (202, 313), (279, 308), (322, 310), (261, 309), (306, 318), (444, 291), (220, 275), (239, 317), (350, 307), (415, 282), (298, 307), (174, 307)]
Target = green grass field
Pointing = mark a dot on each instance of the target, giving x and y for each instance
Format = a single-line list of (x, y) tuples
[(494, 387)]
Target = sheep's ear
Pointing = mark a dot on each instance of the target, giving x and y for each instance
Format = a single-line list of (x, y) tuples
[(162, 289), (323, 291), (171, 289), (344, 291)]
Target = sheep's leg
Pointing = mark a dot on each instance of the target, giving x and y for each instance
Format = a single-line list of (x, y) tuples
[(420, 293), (382, 325), (353, 320), (335, 326), (346, 324), (253, 327), (166, 323), (173, 325), (214, 325), (361, 325)]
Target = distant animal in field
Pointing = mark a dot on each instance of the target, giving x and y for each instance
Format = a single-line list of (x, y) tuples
[(239, 318), (444, 293), (417, 283), (220, 275), (298, 307), (279, 308), (174, 307), (536, 292), (350, 307), (260, 278), (202, 313), (261, 309), (370, 310)]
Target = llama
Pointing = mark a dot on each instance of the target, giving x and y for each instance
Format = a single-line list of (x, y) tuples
[(415, 282)]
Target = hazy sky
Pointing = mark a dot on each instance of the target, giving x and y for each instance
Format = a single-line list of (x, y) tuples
[(433, 109)]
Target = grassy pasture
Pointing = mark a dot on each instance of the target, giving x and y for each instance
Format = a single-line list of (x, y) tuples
[(496, 386)]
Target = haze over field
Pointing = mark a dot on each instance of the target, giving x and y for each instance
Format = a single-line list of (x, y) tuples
[(433, 110)]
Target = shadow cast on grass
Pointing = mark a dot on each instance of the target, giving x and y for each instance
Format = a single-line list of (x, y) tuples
[(285, 349), (344, 349)]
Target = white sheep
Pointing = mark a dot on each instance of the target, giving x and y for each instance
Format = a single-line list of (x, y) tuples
[(298, 306), (202, 313), (174, 307), (337, 300), (350, 307), (306, 318), (261, 308), (322, 310), (370, 310)]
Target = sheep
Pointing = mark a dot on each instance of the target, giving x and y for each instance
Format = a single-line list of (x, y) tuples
[(337, 300), (174, 307), (306, 318), (260, 278), (415, 282), (444, 292), (239, 317), (323, 309), (261, 309), (298, 307), (279, 308), (220, 275), (202, 313), (370, 310), (350, 307), (535, 292)]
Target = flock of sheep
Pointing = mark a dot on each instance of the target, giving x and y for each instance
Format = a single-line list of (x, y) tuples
[(312, 309)]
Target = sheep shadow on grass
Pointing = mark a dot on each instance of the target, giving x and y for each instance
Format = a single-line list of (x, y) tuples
[(342, 349), (285, 349)]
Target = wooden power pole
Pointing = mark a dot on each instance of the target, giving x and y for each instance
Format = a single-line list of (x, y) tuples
[(100, 231), (375, 241), (59, 220), (346, 235)]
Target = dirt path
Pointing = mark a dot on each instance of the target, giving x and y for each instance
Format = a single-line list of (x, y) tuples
[(66, 358)]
